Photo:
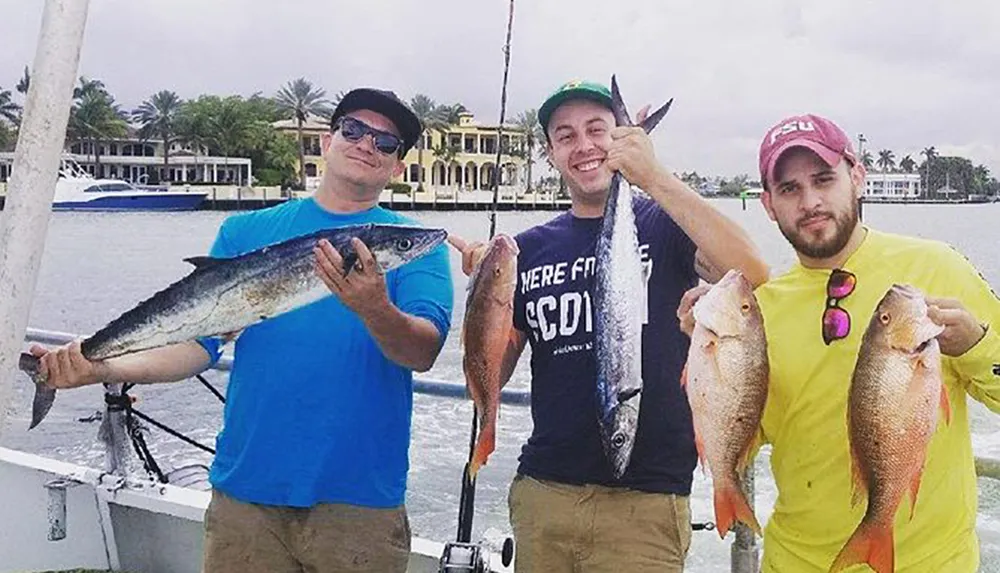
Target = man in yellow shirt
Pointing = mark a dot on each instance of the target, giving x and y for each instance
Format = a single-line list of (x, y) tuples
[(815, 316)]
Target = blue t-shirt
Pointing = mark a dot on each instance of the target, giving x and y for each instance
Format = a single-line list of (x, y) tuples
[(553, 306), (314, 411)]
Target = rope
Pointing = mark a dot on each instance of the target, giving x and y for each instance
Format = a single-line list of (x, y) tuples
[(172, 432), (211, 388), (139, 443), (124, 402)]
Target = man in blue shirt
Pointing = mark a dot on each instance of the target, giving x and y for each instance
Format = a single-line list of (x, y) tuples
[(311, 463), (568, 511)]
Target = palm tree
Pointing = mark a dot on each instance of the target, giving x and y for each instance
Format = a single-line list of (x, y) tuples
[(867, 160), (299, 99), (229, 127), (336, 99), (981, 177), (88, 86), (886, 160), (95, 118), (449, 115), (432, 116), (191, 130), (158, 116), (527, 124), (930, 153), (24, 82), (907, 164), (8, 109), (6, 136)]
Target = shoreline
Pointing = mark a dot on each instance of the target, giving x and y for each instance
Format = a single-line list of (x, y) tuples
[(506, 204)]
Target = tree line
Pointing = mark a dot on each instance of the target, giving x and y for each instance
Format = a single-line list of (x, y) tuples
[(238, 126), (232, 126)]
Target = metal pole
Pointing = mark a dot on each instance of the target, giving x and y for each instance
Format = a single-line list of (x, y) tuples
[(25, 218), (743, 551)]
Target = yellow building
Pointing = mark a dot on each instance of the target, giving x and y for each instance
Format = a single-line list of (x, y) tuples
[(466, 162)]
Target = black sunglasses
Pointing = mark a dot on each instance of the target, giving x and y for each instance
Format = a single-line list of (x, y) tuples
[(354, 129)]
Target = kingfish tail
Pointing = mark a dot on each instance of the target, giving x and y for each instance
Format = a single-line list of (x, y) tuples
[(622, 116), (618, 105), (654, 118), (44, 396)]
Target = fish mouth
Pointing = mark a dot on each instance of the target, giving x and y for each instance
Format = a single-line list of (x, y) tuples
[(733, 276), (436, 236), (908, 291), (507, 243), (925, 335)]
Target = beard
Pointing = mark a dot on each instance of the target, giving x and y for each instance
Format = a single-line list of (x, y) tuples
[(844, 225)]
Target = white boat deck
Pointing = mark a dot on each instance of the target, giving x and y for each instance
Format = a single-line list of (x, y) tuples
[(136, 527)]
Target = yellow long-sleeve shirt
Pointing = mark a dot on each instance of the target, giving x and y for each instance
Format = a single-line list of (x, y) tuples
[(805, 419)]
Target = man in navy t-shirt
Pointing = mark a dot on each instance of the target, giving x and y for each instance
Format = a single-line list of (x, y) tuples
[(568, 511)]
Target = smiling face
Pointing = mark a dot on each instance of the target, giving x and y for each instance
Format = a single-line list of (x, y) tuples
[(359, 163), (815, 205), (579, 136)]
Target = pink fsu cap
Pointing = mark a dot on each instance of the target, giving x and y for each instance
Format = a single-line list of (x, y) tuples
[(813, 132)]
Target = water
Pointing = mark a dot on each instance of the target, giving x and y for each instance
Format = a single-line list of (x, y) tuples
[(99, 265)]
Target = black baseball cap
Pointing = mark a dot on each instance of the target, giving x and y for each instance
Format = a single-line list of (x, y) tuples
[(386, 103)]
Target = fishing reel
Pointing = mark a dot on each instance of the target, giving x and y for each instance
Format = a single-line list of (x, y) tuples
[(461, 557)]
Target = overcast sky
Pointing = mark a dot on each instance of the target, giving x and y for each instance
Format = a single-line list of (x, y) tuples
[(907, 74)]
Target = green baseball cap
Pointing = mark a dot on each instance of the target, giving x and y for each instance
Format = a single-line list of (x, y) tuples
[(575, 89)]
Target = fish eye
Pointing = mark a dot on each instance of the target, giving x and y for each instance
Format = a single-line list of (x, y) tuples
[(884, 318), (496, 271), (746, 306), (618, 440), (404, 244)]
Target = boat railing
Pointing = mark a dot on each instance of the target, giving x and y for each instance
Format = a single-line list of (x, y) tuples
[(744, 549)]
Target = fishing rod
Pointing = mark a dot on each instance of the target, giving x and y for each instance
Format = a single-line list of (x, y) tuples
[(462, 555)]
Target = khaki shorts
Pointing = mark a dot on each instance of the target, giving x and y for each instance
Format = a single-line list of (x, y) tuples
[(561, 528), (327, 538)]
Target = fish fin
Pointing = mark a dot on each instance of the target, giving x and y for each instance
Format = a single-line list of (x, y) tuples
[(731, 506), (711, 340), (700, 448), (868, 544), (743, 462), (945, 404), (41, 404), (622, 117), (350, 258), (859, 489), (628, 394), (914, 489), (44, 396), (200, 262), (654, 118), (684, 376), (915, 483), (484, 447)]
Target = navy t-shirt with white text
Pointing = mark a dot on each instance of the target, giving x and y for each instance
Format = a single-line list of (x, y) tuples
[(553, 305)]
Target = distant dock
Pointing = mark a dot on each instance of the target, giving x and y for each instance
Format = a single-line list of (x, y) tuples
[(232, 198), (467, 201)]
